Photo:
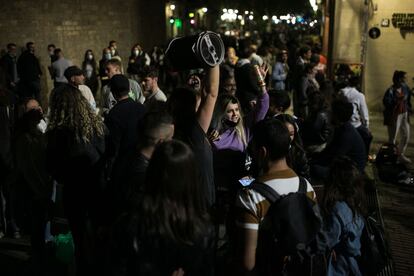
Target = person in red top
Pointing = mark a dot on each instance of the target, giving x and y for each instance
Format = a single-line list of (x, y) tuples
[(397, 108)]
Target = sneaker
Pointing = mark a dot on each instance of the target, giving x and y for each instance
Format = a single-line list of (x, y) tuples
[(405, 159), (16, 235)]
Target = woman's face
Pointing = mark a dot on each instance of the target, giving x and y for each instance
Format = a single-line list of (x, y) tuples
[(291, 130), (232, 112)]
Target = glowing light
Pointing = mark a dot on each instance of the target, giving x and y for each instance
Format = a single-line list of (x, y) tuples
[(236, 11), (265, 17), (246, 12), (224, 10), (314, 5), (192, 21), (251, 17), (274, 17), (239, 17), (191, 15), (204, 9), (172, 20), (230, 11), (242, 22), (172, 7), (178, 23)]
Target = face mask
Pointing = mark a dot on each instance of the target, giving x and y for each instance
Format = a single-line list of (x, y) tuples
[(90, 57), (108, 56), (230, 123), (113, 52), (136, 53)]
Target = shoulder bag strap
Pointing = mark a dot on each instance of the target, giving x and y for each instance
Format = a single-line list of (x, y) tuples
[(265, 190), (303, 186)]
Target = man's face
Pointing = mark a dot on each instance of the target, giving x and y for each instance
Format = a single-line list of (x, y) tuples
[(230, 86), (308, 55), (78, 80), (12, 50), (168, 134), (194, 82), (31, 48), (149, 83), (285, 56), (112, 70), (33, 105)]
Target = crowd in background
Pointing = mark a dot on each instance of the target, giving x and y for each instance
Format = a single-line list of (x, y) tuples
[(156, 165)]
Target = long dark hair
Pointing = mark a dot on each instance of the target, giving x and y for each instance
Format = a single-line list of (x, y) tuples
[(87, 61), (172, 206), (345, 183)]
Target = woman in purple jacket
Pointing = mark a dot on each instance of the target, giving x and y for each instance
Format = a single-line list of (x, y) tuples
[(229, 139)]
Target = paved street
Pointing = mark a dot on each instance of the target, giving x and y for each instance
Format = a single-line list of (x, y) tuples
[(397, 207)]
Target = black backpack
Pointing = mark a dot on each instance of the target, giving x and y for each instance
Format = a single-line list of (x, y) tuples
[(388, 168), (291, 240)]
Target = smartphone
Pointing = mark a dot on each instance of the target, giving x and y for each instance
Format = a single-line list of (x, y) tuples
[(246, 181)]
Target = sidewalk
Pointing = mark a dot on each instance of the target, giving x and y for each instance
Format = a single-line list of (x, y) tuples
[(397, 207)]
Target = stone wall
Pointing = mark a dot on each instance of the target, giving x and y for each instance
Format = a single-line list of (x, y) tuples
[(392, 50), (76, 26)]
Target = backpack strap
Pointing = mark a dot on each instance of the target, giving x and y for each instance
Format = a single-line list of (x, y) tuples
[(303, 186), (265, 190)]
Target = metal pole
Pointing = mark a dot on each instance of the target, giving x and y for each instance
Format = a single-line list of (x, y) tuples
[(331, 33)]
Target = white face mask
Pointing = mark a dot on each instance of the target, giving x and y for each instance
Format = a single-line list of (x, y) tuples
[(136, 52), (113, 52), (90, 57), (108, 56)]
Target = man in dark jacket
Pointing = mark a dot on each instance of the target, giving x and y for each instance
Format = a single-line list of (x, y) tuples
[(122, 122), (28, 68), (9, 63)]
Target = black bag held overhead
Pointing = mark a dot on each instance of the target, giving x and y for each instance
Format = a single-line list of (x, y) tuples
[(196, 51), (291, 240)]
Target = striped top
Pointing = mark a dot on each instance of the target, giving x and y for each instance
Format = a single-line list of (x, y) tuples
[(252, 206)]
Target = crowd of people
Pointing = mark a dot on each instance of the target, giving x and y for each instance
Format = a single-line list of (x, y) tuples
[(164, 183)]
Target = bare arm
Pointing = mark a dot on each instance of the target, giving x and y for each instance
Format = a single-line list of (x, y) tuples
[(205, 111), (248, 242)]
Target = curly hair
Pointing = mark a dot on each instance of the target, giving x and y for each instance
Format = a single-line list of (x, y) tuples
[(69, 109)]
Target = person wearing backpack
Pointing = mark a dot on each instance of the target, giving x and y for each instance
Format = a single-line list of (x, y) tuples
[(342, 207), (260, 222)]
